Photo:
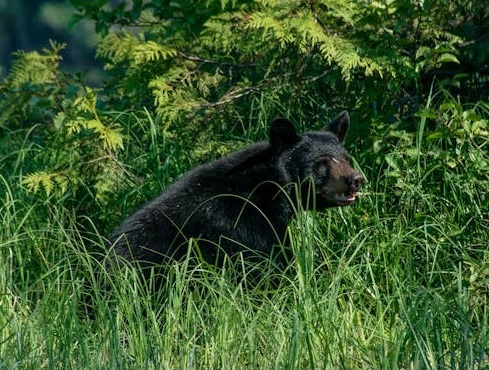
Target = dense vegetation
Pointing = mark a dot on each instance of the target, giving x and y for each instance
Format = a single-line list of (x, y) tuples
[(400, 280)]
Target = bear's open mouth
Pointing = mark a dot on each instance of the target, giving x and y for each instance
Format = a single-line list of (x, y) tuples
[(343, 199)]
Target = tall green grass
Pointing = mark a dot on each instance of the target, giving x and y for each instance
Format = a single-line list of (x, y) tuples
[(398, 281)]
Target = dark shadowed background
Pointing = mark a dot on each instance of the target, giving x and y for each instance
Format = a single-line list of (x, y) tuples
[(30, 24)]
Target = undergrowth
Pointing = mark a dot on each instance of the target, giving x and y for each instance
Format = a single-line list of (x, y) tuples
[(398, 281)]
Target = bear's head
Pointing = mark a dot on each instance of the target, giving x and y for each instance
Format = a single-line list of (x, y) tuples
[(317, 161)]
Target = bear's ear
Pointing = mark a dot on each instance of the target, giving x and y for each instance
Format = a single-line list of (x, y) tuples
[(282, 133), (339, 125)]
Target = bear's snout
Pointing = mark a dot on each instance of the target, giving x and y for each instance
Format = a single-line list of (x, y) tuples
[(339, 182), (354, 181)]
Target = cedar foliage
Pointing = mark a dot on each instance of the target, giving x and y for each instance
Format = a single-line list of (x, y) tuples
[(198, 56), (74, 144)]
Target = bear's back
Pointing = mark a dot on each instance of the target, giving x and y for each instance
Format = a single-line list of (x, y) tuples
[(204, 203)]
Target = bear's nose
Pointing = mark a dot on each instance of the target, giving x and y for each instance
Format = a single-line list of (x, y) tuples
[(355, 181)]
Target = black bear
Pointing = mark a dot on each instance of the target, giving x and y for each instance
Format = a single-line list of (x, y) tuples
[(242, 204)]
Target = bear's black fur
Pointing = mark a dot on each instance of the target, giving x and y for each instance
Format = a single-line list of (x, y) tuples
[(243, 203)]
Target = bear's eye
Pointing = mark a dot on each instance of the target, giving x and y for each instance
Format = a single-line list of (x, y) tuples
[(326, 160)]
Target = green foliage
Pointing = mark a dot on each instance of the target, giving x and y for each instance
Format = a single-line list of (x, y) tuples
[(398, 281), (204, 61), (449, 146), (201, 66), (33, 88), (35, 68), (194, 68), (75, 144), (84, 152)]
